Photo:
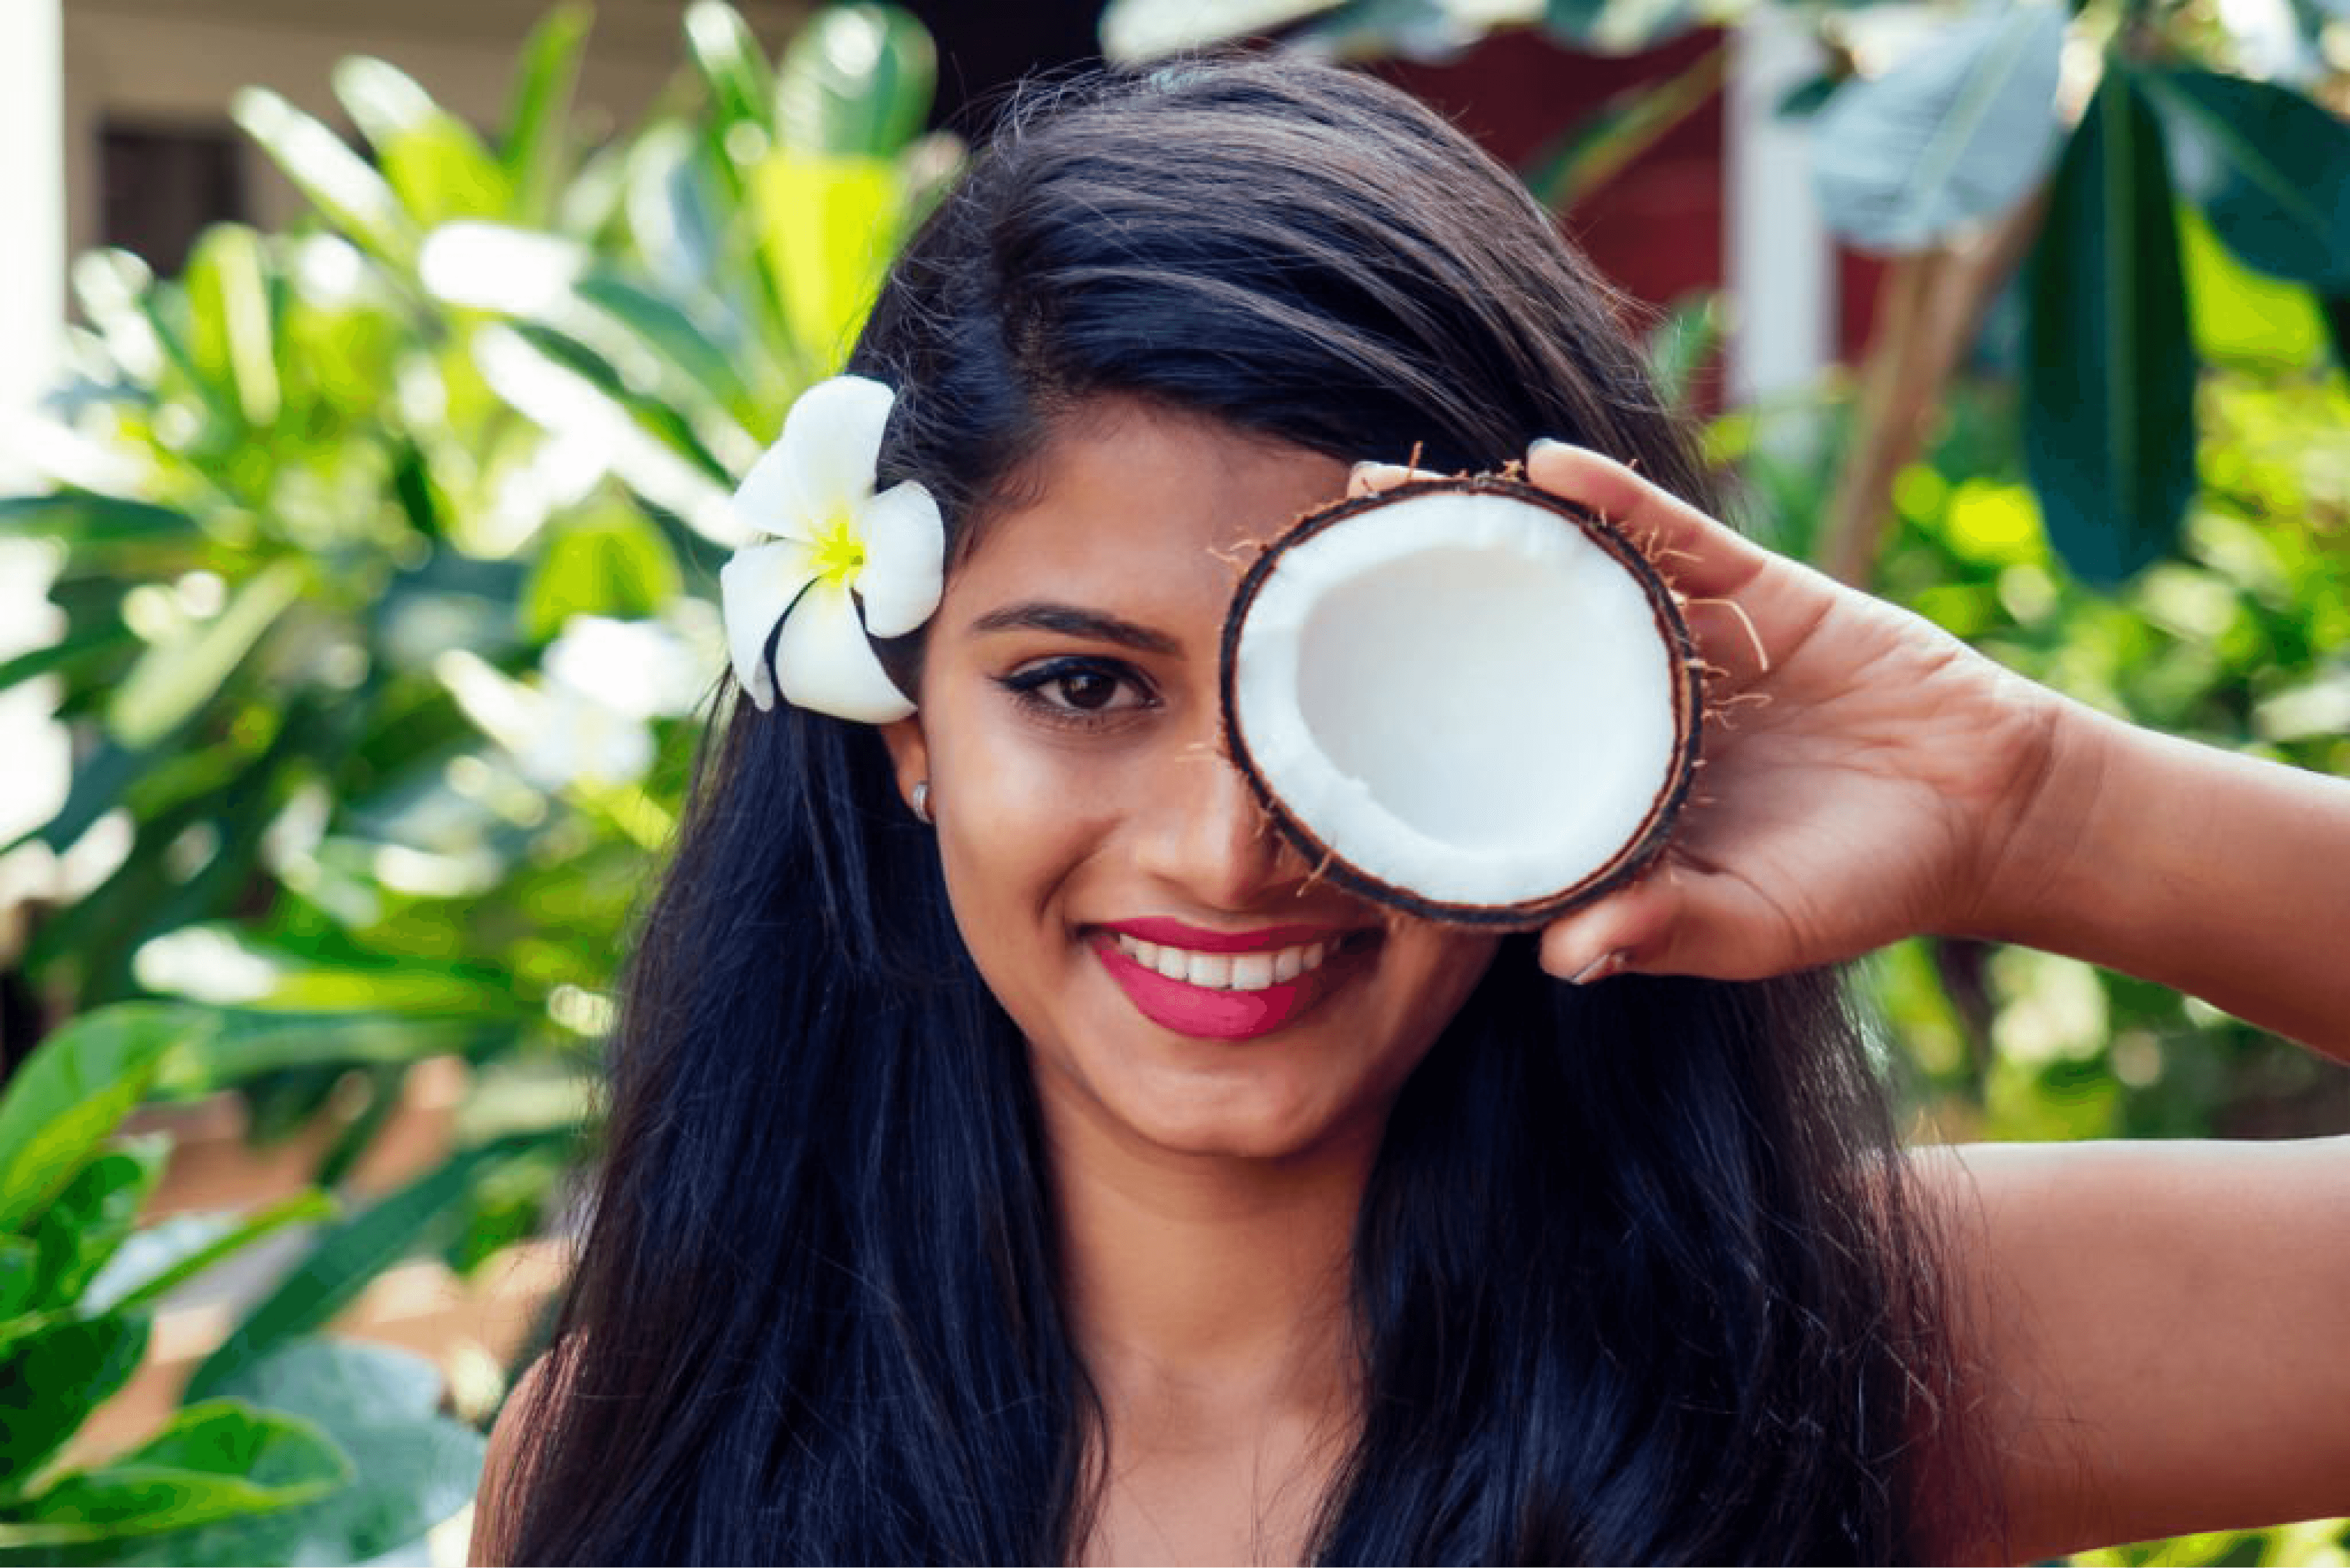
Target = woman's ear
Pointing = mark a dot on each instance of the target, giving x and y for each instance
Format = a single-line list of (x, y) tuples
[(909, 756)]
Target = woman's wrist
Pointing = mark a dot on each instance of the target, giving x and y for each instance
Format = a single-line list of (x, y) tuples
[(2215, 874), (2033, 838)]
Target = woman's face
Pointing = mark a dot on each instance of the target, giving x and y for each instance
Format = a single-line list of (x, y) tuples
[(1182, 977)]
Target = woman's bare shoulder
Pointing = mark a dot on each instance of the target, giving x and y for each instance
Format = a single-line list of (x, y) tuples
[(2154, 1332), (495, 1504)]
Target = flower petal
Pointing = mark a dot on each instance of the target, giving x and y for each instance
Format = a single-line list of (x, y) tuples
[(767, 502), (823, 662), (905, 560), (754, 589), (831, 441)]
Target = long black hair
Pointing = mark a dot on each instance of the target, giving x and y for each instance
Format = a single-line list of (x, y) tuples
[(1638, 1274)]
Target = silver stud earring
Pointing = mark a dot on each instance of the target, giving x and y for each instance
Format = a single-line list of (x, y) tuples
[(922, 802)]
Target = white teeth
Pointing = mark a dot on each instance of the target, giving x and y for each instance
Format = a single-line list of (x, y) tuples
[(1212, 971), (1226, 972)]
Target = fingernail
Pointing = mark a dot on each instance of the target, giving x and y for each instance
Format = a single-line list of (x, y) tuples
[(1363, 470), (1600, 968), (1545, 443)]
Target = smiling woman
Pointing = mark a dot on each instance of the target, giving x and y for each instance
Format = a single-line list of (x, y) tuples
[(1018, 1153), (1118, 887)]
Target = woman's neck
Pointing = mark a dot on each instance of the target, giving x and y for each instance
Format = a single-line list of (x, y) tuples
[(1210, 1300)]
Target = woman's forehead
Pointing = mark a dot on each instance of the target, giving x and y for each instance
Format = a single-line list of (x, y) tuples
[(1130, 501)]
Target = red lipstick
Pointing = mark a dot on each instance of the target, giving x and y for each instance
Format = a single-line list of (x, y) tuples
[(1205, 1012)]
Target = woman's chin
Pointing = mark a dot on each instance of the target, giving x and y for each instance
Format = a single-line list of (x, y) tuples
[(1256, 1113)]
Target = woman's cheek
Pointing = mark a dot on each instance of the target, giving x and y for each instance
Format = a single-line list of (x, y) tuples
[(1018, 812)]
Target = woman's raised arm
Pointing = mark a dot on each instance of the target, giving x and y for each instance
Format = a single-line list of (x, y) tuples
[(1869, 777), (2157, 1335), (2160, 1333)]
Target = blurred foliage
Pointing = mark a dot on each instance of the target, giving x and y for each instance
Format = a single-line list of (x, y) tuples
[(383, 557), (385, 551), (273, 1460)]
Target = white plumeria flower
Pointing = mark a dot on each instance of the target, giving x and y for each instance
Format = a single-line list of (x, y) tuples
[(812, 494)]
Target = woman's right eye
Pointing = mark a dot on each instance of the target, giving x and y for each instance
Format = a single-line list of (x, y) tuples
[(1081, 690)]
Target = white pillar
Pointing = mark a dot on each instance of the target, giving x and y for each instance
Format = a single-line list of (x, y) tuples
[(1782, 264), (32, 194), (32, 336)]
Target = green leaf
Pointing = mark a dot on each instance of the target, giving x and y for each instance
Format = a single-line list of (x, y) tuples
[(52, 1379), (249, 1042), (85, 520), (2109, 373), (828, 227), (99, 782), (173, 680), (412, 1469), (233, 340), (731, 65), (693, 355), (20, 1274), (171, 321), (344, 187), (391, 988), (323, 1378), (673, 216), (536, 150), (2336, 308), (347, 1256), (71, 1093), (1808, 97), (384, 101), (92, 1216), (596, 387), (159, 1259), (382, 1085), (2242, 317), (856, 80), (611, 562), (82, 648), (435, 164), (2268, 166), (1957, 132), (221, 1459)]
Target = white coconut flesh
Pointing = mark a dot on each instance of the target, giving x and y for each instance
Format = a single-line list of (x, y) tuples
[(1461, 696)]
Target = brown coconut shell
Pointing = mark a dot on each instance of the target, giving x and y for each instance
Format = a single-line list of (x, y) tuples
[(1641, 847)]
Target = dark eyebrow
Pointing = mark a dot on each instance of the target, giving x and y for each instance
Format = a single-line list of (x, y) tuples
[(1038, 614)]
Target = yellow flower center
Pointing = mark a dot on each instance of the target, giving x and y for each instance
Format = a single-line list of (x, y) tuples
[(839, 553)]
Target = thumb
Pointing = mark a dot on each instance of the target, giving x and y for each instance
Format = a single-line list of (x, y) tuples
[(1676, 920), (1629, 930)]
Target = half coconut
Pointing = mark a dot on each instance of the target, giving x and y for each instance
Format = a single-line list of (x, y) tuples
[(1465, 698)]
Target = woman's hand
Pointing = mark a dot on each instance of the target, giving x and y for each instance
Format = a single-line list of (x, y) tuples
[(1863, 773)]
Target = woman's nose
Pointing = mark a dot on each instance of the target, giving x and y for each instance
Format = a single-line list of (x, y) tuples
[(1210, 841)]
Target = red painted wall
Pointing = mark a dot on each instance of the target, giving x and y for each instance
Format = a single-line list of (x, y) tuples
[(1657, 229)]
